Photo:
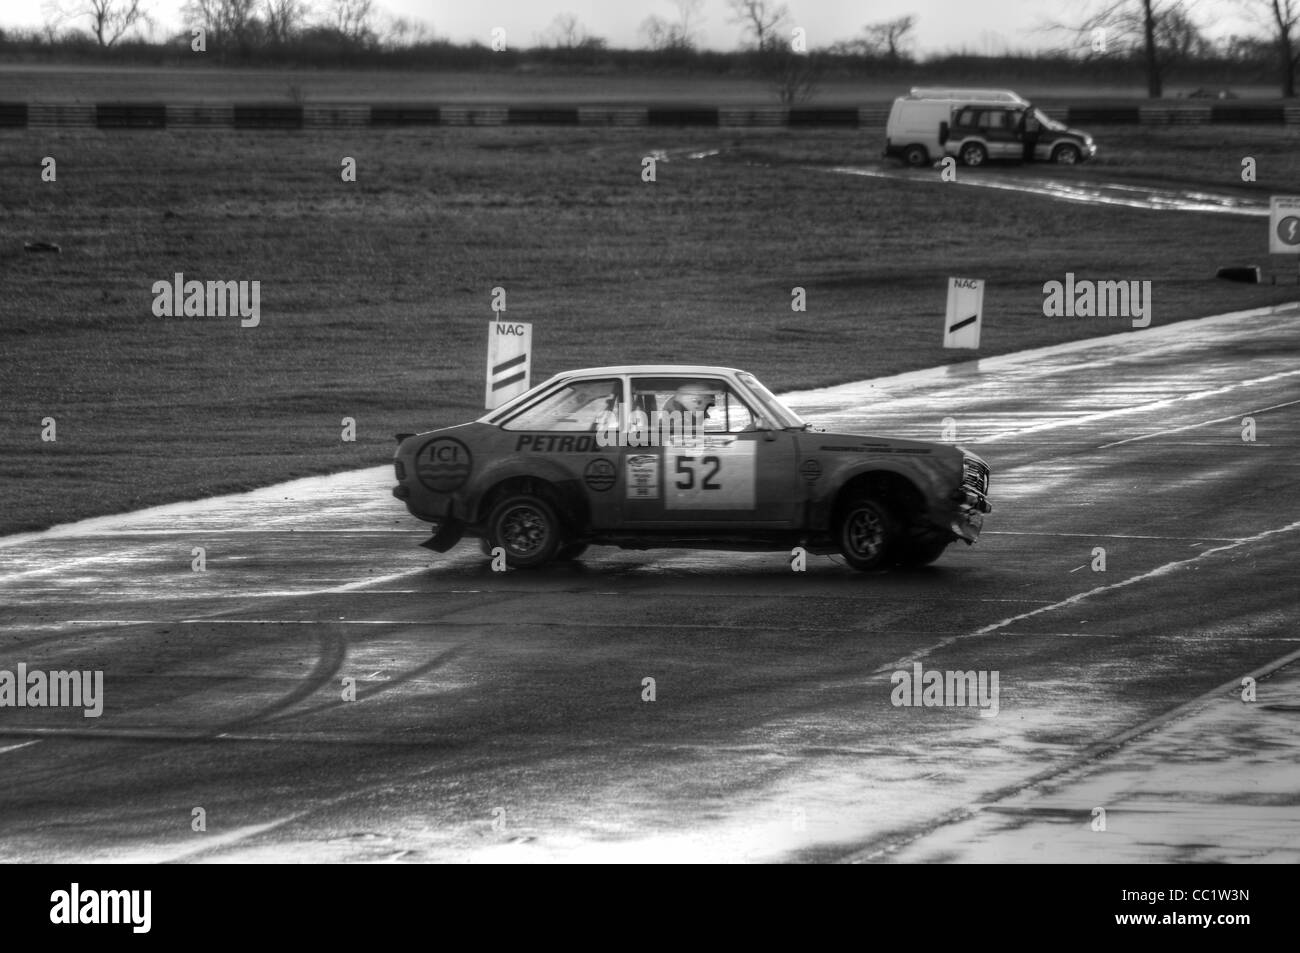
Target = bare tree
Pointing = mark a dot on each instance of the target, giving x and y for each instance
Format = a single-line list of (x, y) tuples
[(228, 22), (352, 19), (890, 36), (566, 32), (1282, 18), (110, 20), (284, 19), (1140, 26), (660, 33), (760, 19)]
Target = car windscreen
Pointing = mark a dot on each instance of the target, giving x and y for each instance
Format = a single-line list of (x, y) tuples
[(779, 414), (1047, 122)]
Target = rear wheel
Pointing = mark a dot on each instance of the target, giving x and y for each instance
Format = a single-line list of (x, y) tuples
[(972, 153), (867, 533), (916, 155), (527, 528)]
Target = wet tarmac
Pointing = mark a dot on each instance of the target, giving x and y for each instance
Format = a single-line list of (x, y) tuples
[(504, 716)]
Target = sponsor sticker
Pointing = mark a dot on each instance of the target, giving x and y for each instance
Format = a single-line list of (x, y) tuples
[(643, 476), (443, 464), (600, 474)]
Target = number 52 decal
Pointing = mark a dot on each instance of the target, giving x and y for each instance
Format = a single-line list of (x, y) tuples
[(716, 478), (685, 466)]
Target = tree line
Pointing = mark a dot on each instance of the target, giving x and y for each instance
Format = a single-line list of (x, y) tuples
[(1115, 41)]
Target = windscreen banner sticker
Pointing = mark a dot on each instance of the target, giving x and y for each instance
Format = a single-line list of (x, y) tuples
[(643, 476), (718, 477)]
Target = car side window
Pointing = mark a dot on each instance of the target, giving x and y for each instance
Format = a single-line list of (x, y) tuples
[(675, 407), (995, 119), (579, 406), (966, 117)]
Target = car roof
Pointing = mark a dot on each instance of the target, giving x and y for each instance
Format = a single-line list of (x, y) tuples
[(676, 370)]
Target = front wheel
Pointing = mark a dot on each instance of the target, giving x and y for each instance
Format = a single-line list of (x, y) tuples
[(1066, 155), (867, 533), (527, 528), (972, 153)]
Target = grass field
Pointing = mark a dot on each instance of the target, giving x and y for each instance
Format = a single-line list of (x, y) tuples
[(375, 295)]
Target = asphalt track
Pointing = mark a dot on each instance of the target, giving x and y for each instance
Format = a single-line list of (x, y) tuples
[(500, 716)]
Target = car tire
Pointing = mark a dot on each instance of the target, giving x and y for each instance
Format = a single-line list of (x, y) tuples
[(866, 532), (527, 528), (571, 551), (1066, 155), (916, 156), (973, 154)]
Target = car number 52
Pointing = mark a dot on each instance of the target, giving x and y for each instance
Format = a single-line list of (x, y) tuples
[(708, 467)]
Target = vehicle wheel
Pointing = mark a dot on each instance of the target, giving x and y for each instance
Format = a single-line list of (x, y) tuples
[(1066, 154), (921, 552), (972, 153), (527, 529), (867, 533), (571, 551), (916, 156)]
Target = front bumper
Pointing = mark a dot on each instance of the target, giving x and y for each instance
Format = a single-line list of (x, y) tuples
[(969, 518)]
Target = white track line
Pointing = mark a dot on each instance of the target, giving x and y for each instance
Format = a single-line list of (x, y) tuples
[(1081, 596), (1206, 423)]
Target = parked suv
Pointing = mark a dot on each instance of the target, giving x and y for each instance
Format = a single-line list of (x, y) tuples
[(982, 131), (912, 132)]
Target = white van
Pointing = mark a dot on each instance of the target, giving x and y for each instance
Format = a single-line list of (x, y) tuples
[(912, 133)]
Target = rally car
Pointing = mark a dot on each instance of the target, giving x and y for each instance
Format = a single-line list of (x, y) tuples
[(682, 456)]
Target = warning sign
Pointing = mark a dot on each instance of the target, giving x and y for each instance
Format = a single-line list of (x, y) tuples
[(1284, 225), (509, 361), (961, 326)]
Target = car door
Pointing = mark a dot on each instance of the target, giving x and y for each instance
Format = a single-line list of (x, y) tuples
[(573, 429), (999, 129), (721, 470)]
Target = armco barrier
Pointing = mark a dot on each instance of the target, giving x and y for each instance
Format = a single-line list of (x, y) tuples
[(13, 115), (290, 116), (405, 115), (611, 116), (811, 116), (130, 115), (541, 116), (200, 116), (1174, 115), (742, 117), (273, 116), (1102, 115), (682, 116), (475, 115), (1247, 113), (40, 115), (335, 117)]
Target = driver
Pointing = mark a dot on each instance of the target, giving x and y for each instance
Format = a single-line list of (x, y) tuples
[(685, 412)]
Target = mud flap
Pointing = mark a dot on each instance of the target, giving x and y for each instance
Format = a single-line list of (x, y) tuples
[(447, 536)]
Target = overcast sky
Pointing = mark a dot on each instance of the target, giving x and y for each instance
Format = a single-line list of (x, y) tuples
[(981, 26)]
